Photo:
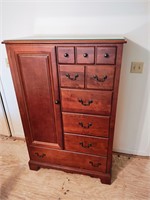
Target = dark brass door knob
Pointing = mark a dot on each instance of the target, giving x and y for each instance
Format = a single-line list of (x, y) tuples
[(57, 102)]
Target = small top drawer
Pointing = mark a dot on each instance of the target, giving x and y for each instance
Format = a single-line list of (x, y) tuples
[(106, 55), (85, 55), (66, 55)]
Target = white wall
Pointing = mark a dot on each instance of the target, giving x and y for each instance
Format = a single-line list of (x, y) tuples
[(118, 17), (4, 129)]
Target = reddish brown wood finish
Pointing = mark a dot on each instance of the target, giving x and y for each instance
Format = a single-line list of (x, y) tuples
[(65, 55), (104, 177), (114, 105), (71, 76), (35, 77), (85, 55), (100, 77), (106, 55), (86, 144), (72, 124), (101, 101), (33, 166), (38, 92), (45, 96)]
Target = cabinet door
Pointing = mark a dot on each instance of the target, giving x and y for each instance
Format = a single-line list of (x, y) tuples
[(36, 83)]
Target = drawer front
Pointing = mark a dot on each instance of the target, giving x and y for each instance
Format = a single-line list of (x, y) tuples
[(70, 159), (85, 55), (86, 144), (65, 55), (106, 55), (71, 76), (100, 77), (86, 124), (86, 101)]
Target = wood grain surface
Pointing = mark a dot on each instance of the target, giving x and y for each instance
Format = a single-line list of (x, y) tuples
[(85, 55), (37, 77), (71, 76), (99, 124), (101, 101), (86, 144)]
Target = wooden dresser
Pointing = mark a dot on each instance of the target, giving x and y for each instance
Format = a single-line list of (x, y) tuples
[(67, 95)]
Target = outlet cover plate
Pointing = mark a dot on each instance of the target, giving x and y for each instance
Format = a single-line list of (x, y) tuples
[(137, 67)]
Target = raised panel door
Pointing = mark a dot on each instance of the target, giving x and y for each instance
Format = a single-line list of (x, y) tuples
[(36, 74)]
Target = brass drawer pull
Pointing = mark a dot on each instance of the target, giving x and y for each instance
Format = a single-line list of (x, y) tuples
[(88, 126), (100, 79), (85, 55), (85, 104), (106, 55), (94, 164), (66, 55), (40, 155), (85, 146), (73, 79)]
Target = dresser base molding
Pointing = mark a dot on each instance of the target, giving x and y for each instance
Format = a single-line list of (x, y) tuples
[(105, 178)]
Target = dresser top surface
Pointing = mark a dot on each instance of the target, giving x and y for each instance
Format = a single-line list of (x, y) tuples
[(67, 39)]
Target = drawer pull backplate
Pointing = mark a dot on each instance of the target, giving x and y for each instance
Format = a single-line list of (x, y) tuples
[(84, 103), (85, 146), (73, 79), (88, 126), (40, 155), (94, 164), (100, 79)]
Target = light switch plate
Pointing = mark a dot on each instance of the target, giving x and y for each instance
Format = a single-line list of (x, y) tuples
[(137, 67)]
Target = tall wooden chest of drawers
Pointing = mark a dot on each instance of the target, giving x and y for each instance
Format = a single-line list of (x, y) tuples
[(67, 95)]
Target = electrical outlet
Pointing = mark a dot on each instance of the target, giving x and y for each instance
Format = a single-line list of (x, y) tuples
[(136, 67), (7, 62)]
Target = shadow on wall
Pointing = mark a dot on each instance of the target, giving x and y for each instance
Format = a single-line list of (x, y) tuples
[(134, 99)]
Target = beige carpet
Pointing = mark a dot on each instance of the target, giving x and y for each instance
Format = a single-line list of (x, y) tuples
[(131, 179)]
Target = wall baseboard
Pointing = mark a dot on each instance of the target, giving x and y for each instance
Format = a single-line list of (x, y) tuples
[(131, 151)]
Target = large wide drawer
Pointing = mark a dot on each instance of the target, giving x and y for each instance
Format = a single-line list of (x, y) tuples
[(86, 124), (68, 159), (86, 144), (86, 101)]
